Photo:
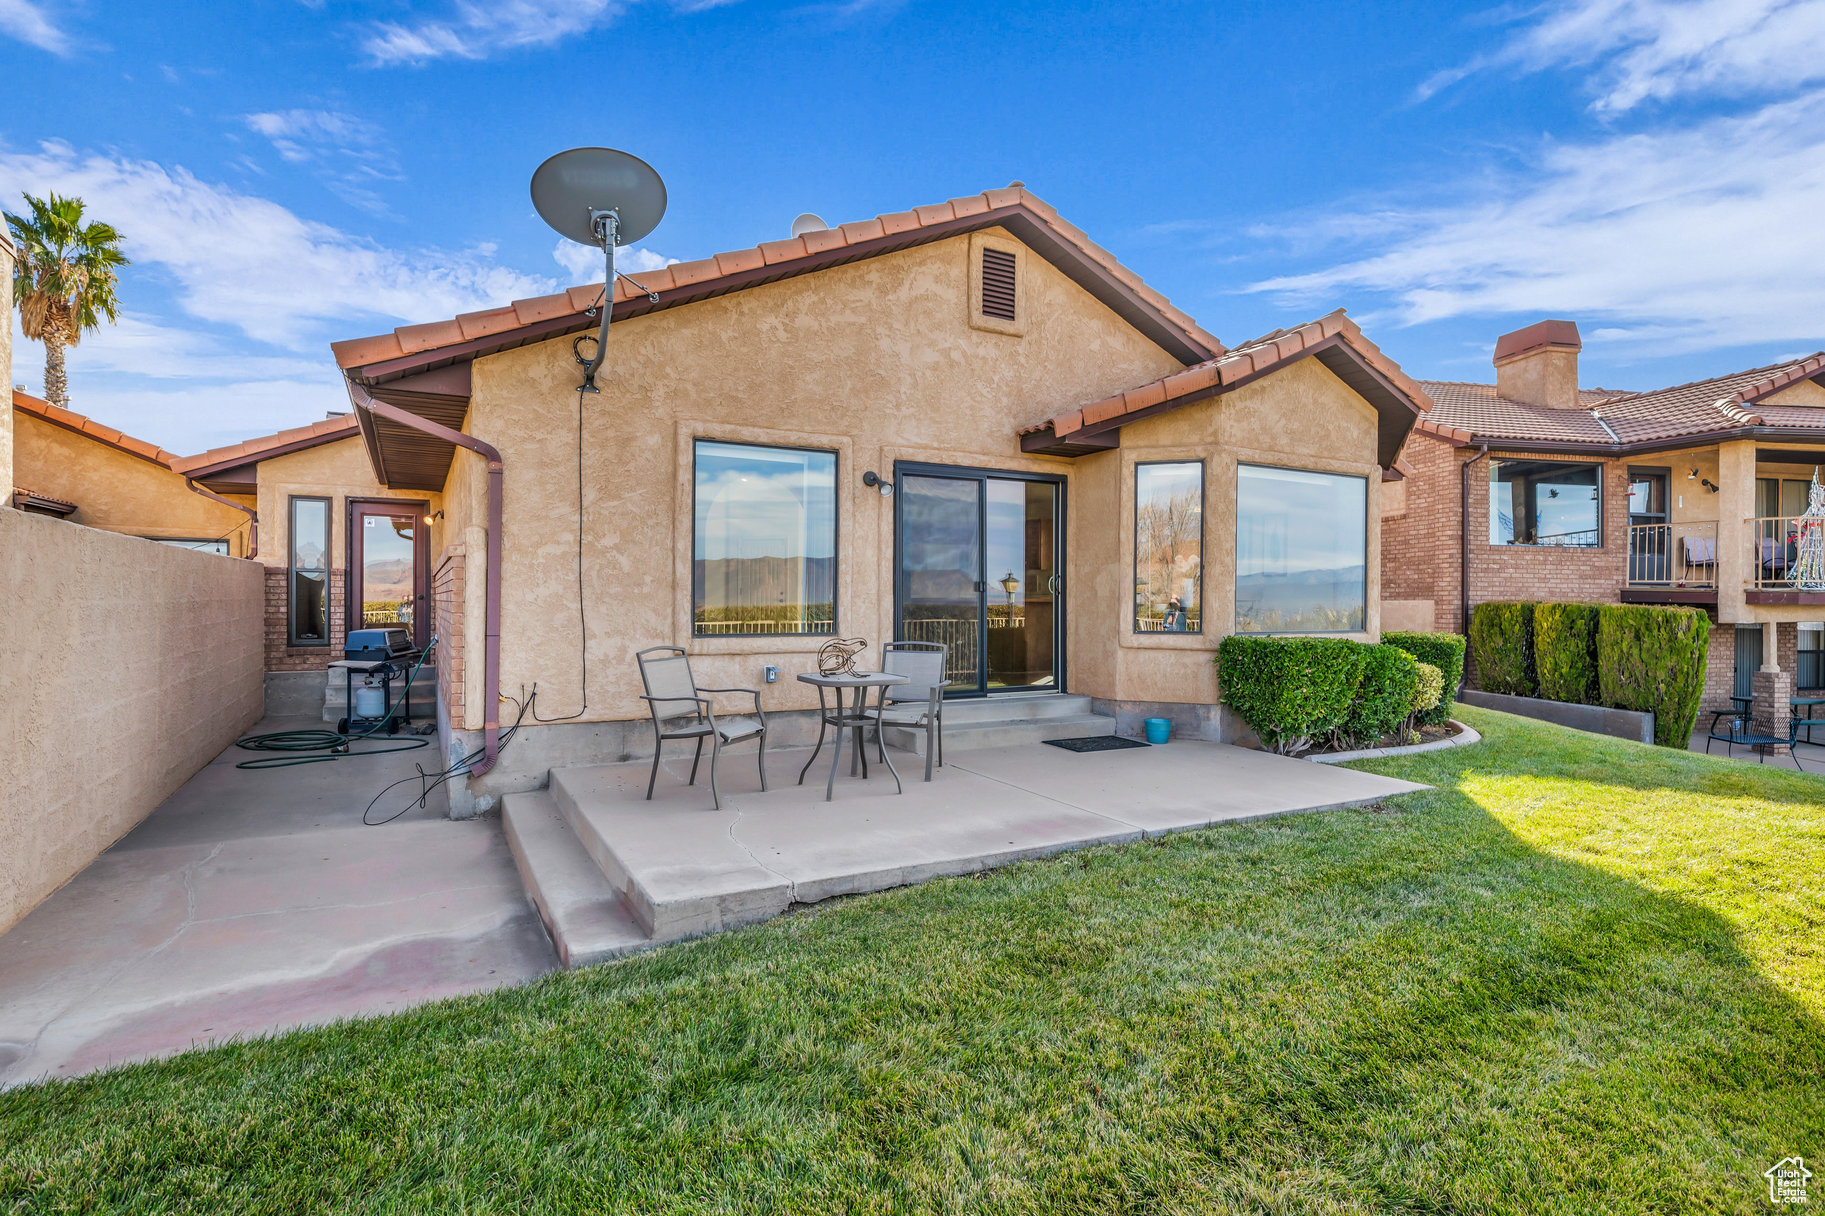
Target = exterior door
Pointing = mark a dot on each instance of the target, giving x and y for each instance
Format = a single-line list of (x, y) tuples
[(1748, 658), (1650, 532), (980, 570), (388, 566)]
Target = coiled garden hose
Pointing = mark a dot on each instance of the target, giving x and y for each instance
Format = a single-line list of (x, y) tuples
[(319, 746)]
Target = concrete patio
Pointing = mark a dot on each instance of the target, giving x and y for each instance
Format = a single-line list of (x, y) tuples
[(254, 901), (612, 872)]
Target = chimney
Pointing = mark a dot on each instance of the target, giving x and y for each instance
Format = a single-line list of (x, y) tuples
[(1539, 365)]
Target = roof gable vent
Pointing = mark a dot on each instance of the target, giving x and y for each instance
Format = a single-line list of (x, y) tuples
[(998, 284)]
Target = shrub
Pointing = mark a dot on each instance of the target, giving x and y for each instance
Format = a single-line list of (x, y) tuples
[(1290, 691), (1428, 689), (1565, 652), (1384, 696), (1444, 651), (1501, 642), (1653, 659)]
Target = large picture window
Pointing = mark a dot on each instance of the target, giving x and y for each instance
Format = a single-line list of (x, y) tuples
[(1544, 502), (1301, 551), (310, 571), (1169, 547), (763, 557)]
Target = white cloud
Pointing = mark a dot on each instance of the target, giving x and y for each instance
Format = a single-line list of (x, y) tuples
[(25, 21), (1692, 238), (349, 153), (248, 263), (1642, 50), (477, 29), (584, 265)]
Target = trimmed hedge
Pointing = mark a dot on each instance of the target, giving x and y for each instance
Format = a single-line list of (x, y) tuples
[(1291, 691), (1565, 652), (1653, 659), (1502, 643), (1428, 690), (1384, 696), (1444, 651)]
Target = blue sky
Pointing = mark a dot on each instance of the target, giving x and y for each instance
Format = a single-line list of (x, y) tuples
[(290, 172)]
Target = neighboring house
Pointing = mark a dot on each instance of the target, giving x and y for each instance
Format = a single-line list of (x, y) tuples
[(964, 423), (1534, 488), (74, 467), (340, 549)]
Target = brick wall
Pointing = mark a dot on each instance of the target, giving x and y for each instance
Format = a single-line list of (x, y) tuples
[(447, 623), (1720, 669), (1419, 544), (1421, 547), (279, 655)]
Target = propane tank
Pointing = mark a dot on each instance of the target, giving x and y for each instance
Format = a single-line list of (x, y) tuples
[(370, 700)]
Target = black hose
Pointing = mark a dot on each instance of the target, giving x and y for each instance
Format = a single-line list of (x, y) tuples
[(319, 746)]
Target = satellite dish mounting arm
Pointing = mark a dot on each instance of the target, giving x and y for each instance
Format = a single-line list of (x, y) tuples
[(607, 226)]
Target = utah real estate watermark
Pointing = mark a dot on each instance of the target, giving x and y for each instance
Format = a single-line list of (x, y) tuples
[(1787, 1180)]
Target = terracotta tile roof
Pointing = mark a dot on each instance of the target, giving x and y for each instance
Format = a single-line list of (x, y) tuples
[(1610, 418), (1230, 368), (250, 450), (24, 499), (1474, 410), (69, 420), (783, 255)]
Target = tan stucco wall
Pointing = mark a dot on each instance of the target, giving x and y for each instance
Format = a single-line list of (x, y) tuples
[(128, 667), (338, 471), (1301, 417), (878, 361), (1804, 393), (115, 491), (6, 363)]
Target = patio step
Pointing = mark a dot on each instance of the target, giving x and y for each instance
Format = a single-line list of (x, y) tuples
[(723, 887), (586, 917), (1008, 722)]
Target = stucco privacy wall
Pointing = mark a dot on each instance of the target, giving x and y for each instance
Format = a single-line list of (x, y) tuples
[(875, 359), (6, 363), (115, 491), (128, 666)]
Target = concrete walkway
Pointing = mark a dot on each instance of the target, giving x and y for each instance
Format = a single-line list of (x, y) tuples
[(1812, 755), (255, 901)]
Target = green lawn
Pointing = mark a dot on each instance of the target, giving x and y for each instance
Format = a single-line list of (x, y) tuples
[(1580, 976)]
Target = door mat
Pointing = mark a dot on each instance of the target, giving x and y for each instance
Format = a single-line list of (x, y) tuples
[(1096, 743)]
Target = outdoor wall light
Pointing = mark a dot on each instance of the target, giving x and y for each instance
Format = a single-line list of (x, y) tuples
[(874, 480), (1708, 484), (433, 517)]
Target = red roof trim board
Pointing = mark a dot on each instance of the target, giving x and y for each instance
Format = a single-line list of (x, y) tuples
[(413, 348), (251, 451), (1334, 338), (88, 428)]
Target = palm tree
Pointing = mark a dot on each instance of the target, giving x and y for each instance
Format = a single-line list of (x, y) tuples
[(64, 280)]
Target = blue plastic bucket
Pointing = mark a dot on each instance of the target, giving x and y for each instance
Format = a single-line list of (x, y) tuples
[(1159, 730)]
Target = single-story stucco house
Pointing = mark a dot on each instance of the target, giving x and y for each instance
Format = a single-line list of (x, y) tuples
[(964, 423), (75, 468)]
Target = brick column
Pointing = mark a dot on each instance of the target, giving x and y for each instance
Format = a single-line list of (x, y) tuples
[(1773, 687)]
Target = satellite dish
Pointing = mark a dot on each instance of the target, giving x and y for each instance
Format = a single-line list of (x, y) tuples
[(573, 192), (600, 197), (808, 222)]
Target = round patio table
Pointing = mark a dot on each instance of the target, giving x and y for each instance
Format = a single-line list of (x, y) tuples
[(851, 717)]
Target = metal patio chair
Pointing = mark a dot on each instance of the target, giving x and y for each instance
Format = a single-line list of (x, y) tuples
[(682, 711), (918, 703)]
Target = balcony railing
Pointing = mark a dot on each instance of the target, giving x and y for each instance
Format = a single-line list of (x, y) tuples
[(1673, 555), (1776, 544)]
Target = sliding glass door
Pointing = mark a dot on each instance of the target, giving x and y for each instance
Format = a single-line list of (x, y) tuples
[(980, 571)]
